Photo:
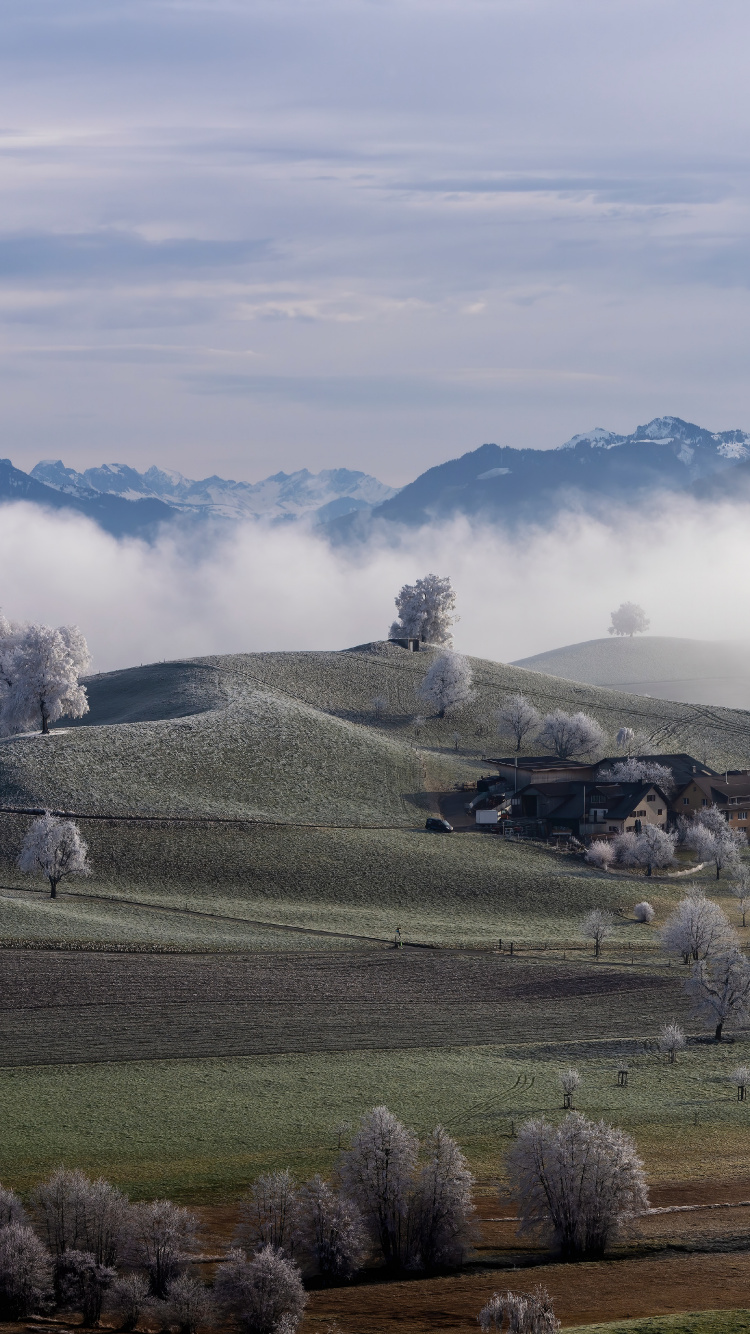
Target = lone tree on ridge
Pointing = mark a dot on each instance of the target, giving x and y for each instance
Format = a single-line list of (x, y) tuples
[(425, 611), (54, 848), (39, 675), (629, 619), (596, 926)]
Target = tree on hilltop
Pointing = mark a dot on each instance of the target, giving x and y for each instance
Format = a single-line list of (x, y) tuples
[(425, 611), (54, 848), (629, 619)]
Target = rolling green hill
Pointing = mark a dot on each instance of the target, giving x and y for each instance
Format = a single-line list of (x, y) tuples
[(695, 671), (281, 806)]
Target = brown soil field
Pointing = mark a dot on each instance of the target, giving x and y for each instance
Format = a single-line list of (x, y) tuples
[(58, 1006)]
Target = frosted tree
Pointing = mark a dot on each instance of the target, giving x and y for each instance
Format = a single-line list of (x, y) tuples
[(441, 1208), (81, 1284), (653, 847), (40, 673), (425, 611), (740, 1077), (74, 1213), (709, 836), (54, 848), (377, 1172), (264, 1294), (643, 912), (129, 1296), (570, 735), (697, 928), (520, 1312), (671, 1040), (517, 719), (597, 926), (600, 853), (189, 1304), (629, 619), (163, 1241), (740, 890), (720, 989), (569, 1080), (625, 738), (577, 1183), (11, 1209), (447, 683), (379, 706), (634, 770), (267, 1212), (25, 1273), (331, 1230)]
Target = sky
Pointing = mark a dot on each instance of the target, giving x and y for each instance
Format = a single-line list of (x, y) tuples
[(239, 237)]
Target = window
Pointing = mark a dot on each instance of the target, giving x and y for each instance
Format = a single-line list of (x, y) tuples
[(704, 802), (613, 829), (651, 797), (660, 811), (686, 801), (742, 815)]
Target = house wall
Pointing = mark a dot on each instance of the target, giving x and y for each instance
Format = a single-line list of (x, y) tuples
[(693, 798)]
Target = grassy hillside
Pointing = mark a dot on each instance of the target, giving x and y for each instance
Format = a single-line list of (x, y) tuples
[(692, 670), (282, 742)]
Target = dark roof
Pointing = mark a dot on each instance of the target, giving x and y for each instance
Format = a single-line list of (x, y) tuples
[(565, 800), (540, 762), (684, 767)]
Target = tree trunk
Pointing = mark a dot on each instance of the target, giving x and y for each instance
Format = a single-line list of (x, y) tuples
[(53, 887), (718, 872), (596, 949), (648, 872), (45, 717), (719, 1027)]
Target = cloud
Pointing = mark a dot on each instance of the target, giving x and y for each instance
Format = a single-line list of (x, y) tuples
[(256, 587)]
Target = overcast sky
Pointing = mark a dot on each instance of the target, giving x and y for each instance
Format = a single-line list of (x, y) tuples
[(239, 237)]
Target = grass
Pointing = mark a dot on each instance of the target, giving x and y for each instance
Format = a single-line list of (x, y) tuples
[(688, 1322), (201, 1130)]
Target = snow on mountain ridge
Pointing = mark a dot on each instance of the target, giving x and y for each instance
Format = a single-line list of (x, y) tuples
[(685, 438), (282, 496)]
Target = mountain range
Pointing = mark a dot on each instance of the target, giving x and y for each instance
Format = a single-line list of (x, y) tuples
[(494, 484)]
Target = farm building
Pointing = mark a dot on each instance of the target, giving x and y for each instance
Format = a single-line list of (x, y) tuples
[(590, 810)]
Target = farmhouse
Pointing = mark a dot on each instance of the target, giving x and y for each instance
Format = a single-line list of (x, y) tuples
[(590, 810), (729, 791)]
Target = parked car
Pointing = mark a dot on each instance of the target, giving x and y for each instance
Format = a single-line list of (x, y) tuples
[(438, 826)]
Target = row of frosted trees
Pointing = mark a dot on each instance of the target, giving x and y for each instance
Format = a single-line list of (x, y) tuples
[(81, 1245)]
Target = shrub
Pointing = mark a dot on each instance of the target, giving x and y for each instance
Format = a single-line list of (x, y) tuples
[(331, 1230), (671, 1040), (268, 1212), (643, 912), (129, 1297), (81, 1284), (600, 853), (189, 1304), (525, 1312)]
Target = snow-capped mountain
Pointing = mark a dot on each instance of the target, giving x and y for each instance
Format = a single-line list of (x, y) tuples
[(325, 495), (698, 449)]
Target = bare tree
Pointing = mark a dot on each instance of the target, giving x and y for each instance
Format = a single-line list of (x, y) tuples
[(331, 1230), (720, 989), (39, 676), (262, 1291), (418, 723), (81, 1284), (597, 926), (629, 619), (163, 1240), (625, 738), (54, 848), (740, 890), (189, 1304), (447, 683), (643, 912), (425, 611), (520, 1313), (634, 770), (129, 1296), (441, 1208), (578, 1182), (25, 1273), (570, 735), (569, 1081), (267, 1212), (11, 1209), (600, 853), (671, 1040), (377, 1172), (740, 1077), (653, 847), (697, 928), (517, 719)]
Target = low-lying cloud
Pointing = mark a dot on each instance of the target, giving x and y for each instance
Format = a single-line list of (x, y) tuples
[(258, 587)]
